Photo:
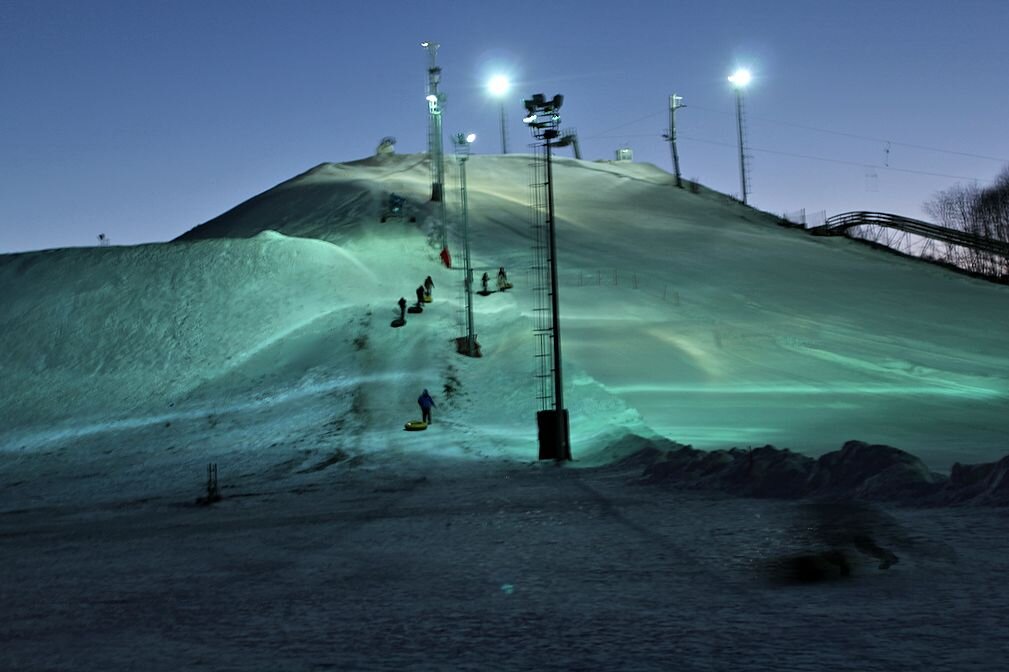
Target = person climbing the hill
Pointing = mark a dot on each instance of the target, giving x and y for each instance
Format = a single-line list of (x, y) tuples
[(402, 308), (426, 402), (483, 281), (420, 295), (502, 279), (428, 285)]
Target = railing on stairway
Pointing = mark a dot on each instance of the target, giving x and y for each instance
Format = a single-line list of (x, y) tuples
[(839, 225)]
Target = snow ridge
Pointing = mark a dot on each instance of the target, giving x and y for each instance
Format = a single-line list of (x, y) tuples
[(858, 470)]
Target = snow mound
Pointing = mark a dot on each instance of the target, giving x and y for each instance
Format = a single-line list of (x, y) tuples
[(859, 471), (978, 484), (762, 472), (119, 330), (872, 472)]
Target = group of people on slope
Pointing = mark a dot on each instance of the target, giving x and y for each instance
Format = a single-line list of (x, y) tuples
[(423, 296), (502, 281), (425, 400)]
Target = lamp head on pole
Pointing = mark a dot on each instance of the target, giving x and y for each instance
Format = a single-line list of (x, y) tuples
[(498, 85), (543, 115), (462, 142)]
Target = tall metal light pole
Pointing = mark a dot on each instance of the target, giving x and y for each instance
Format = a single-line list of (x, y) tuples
[(499, 86), (543, 119), (674, 104), (435, 100), (739, 80), (434, 137), (462, 143)]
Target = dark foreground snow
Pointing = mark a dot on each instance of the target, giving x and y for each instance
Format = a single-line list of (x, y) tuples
[(440, 564)]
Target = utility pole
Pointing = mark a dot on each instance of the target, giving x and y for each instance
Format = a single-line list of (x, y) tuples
[(674, 104)]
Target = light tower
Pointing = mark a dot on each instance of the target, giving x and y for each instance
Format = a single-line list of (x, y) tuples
[(674, 104), (466, 345), (498, 87), (739, 79), (434, 135), (543, 118)]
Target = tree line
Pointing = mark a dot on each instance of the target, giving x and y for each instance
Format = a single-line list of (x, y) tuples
[(981, 211)]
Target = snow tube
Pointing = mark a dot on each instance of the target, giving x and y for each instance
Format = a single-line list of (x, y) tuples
[(505, 285), (397, 323), (415, 309), (427, 298), (415, 425)]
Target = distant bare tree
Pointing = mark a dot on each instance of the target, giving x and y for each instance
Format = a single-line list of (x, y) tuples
[(992, 207), (981, 211)]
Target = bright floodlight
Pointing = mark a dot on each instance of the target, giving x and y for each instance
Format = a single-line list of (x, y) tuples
[(471, 137), (498, 85), (740, 77)]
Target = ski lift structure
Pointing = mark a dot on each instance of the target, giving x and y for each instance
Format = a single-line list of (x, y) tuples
[(568, 137)]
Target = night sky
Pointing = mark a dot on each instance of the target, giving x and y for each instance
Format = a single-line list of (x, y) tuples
[(140, 120)]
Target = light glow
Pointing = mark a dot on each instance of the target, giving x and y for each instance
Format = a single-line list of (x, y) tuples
[(471, 138), (498, 85), (740, 77)]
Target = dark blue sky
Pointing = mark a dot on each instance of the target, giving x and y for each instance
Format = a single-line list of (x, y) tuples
[(141, 119)]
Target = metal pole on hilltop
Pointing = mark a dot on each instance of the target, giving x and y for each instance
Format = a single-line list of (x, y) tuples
[(742, 153), (739, 79), (674, 104), (504, 132)]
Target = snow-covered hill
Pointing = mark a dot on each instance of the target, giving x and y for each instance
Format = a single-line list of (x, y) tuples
[(261, 343), (685, 314)]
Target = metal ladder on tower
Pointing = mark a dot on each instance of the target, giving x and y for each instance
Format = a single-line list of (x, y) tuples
[(542, 311)]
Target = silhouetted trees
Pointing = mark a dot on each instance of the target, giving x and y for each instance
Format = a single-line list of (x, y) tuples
[(981, 211)]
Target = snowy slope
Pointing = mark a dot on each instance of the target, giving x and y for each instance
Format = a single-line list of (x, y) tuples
[(701, 317)]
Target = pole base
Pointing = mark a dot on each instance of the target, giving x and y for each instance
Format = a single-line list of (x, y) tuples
[(463, 348), (554, 435)]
